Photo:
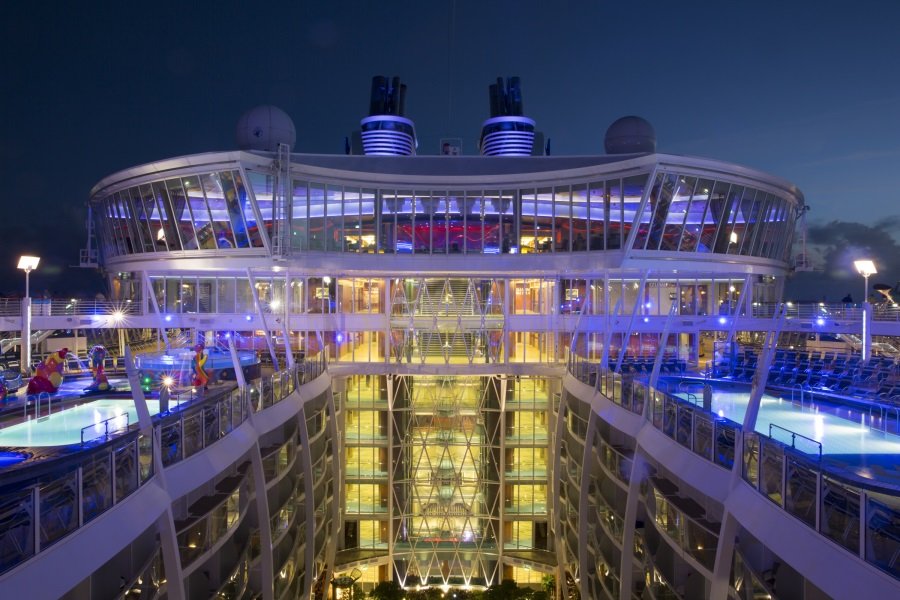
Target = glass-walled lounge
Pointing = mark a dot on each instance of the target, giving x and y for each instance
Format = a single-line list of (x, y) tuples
[(226, 210), (452, 297)]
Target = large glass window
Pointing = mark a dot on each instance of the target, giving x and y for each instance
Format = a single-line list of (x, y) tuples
[(133, 196), (218, 211), (562, 213), (696, 213), (598, 210), (168, 222), (367, 223), (716, 213), (351, 240), (543, 222), (233, 204), (676, 220), (300, 216), (184, 219), (334, 218), (316, 217), (205, 236), (215, 211), (115, 224), (615, 213), (528, 214), (633, 193), (251, 220), (225, 295), (390, 206), (726, 236), (580, 226)]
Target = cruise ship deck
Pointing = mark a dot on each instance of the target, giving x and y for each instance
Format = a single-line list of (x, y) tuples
[(578, 373)]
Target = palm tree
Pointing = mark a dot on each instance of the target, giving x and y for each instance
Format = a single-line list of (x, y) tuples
[(387, 590), (548, 584)]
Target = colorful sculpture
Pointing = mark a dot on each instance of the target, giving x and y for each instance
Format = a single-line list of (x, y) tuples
[(100, 383), (48, 375), (200, 376)]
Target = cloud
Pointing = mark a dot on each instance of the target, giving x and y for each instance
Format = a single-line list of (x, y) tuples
[(838, 244)]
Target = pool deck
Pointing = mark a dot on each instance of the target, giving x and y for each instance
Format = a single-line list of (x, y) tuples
[(69, 397), (851, 447)]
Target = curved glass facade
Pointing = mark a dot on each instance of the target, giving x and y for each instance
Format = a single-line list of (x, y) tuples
[(665, 211), (207, 211)]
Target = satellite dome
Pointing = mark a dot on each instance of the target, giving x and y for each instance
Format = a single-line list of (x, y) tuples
[(630, 135), (263, 128)]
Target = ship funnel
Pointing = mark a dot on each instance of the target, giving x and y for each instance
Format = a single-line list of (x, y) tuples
[(508, 132), (386, 131)]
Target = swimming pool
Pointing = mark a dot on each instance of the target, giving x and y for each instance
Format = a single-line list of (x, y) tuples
[(837, 435), (64, 427)]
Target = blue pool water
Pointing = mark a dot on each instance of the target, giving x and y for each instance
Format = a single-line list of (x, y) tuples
[(64, 428), (837, 435)]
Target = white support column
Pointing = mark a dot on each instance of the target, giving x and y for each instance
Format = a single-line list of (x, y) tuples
[(660, 352), (151, 296), (635, 225), (137, 394), (391, 443), (509, 292), (729, 528), (732, 327), (626, 566), (760, 377), (309, 499), (285, 330), (604, 359), (724, 555), (266, 558), (262, 316), (504, 383), (168, 535), (25, 335), (626, 335), (584, 504), (238, 371), (556, 477), (337, 476), (866, 331)]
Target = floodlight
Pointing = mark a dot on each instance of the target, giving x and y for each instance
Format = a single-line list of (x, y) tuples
[(29, 263), (863, 267)]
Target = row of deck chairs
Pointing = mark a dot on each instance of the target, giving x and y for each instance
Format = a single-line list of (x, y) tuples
[(644, 366), (877, 379)]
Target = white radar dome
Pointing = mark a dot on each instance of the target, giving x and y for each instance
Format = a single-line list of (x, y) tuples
[(630, 135), (263, 128)]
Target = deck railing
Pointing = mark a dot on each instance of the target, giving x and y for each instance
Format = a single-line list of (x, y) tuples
[(60, 496), (862, 517)]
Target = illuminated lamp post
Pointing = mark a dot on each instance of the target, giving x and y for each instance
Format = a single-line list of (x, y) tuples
[(27, 264), (866, 268)]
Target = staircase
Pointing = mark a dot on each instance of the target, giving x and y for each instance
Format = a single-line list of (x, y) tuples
[(448, 344), (442, 297)]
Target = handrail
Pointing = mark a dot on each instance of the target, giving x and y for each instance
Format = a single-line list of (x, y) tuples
[(794, 436), (105, 425), (237, 413)]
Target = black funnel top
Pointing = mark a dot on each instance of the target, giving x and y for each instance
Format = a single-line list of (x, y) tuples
[(506, 100), (388, 97)]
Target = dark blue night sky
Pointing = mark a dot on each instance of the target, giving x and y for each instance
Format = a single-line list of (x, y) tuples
[(806, 90)]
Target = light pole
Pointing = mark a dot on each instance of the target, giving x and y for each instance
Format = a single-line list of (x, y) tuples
[(27, 264), (866, 268)]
